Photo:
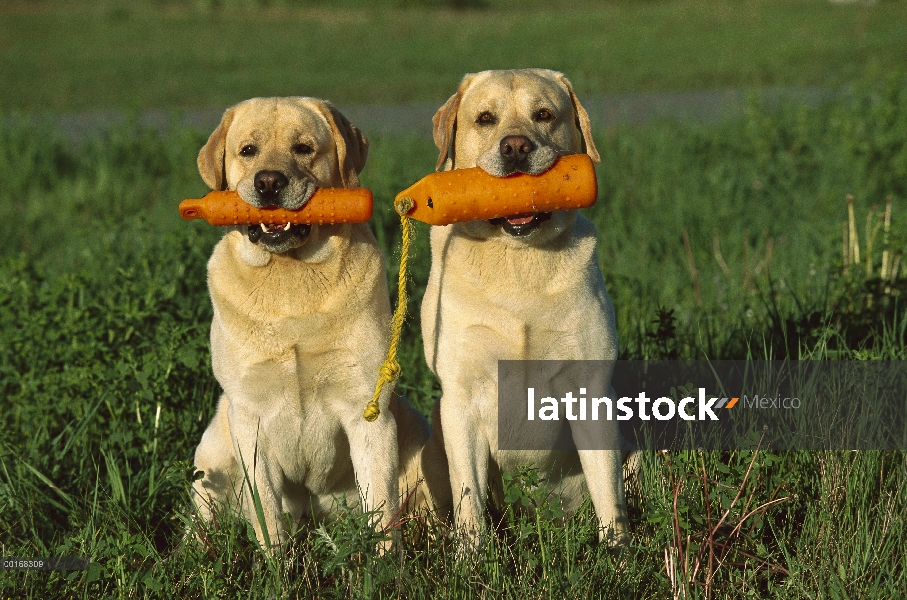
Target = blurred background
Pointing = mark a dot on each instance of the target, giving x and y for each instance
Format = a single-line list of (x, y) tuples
[(79, 57)]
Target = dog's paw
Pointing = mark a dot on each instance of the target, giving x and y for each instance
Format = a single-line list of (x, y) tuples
[(470, 544), (614, 537)]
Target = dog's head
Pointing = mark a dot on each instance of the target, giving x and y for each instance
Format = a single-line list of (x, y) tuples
[(277, 152), (513, 121)]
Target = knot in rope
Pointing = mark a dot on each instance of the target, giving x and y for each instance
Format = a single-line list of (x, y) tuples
[(389, 372)]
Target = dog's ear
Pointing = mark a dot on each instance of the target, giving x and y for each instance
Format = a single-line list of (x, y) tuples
[(211, 158), (445, 123), (352, 146), (582, 121)]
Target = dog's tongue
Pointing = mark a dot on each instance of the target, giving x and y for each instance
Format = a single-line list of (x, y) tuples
[(275, 228), (520, 219)]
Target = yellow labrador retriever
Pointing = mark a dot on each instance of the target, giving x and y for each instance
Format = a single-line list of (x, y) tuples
[(301, 326), (523, 287)]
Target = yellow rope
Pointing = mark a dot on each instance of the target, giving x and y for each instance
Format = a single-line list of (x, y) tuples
[(390, 370)]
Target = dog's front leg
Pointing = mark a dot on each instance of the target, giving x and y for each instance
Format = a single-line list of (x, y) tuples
[(600, 447), (373, 450), (261, 478), (468, 453), (601, 455), (215, 458), (603, 470)]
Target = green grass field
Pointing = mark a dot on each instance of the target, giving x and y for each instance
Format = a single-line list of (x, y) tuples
[(106, 380), (76, 55)]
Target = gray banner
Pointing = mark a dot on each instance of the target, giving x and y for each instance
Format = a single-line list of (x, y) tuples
[(789, 405)]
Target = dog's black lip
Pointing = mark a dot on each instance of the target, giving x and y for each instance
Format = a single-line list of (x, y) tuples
[(273, 239), (521, 230)]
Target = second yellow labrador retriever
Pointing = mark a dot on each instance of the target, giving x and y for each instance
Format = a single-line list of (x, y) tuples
[(527, 286), (301, 326)]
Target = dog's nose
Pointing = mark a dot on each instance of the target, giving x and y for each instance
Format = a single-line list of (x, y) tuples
[(268, 183), (516, 145)]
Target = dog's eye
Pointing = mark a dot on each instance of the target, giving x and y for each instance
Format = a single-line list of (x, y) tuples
[(248, 150), (543, 115), (302, 149), (486, 118)]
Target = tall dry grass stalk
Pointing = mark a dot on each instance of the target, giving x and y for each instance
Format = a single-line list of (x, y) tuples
[(716, 249), (886, 253), (850, 245), (692, 263), (853, 241)]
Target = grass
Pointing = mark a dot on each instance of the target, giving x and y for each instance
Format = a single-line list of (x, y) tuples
[(719, 241), (78, 55)]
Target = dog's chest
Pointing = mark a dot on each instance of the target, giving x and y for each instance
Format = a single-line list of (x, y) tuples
[(506, 272), (285, 302), (311, 446), (519, 303), (528, 289), (279, 291)]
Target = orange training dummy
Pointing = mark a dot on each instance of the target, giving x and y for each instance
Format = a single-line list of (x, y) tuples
[(326, 206), (472, 194)]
